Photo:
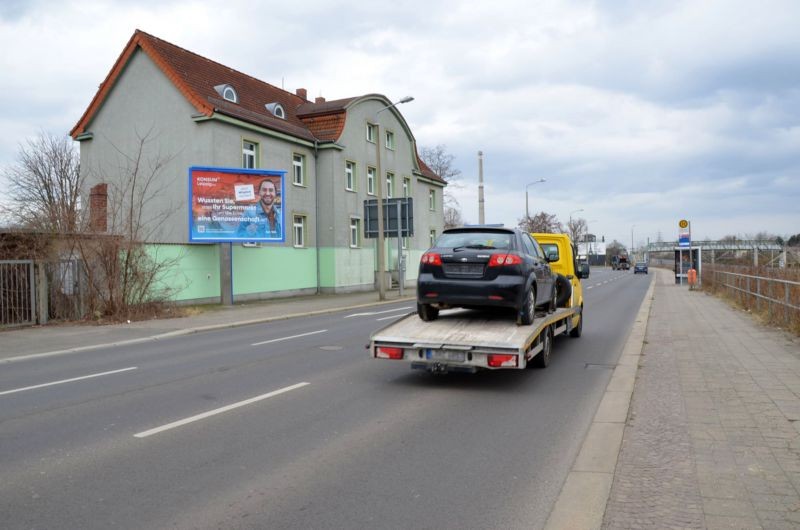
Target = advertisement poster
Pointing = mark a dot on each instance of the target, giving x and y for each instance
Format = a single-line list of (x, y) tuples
[(235, 205)]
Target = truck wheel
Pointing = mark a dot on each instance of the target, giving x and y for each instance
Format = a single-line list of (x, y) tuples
[(528, 310), (564, 290), (427, 312), (543, 359), (577, 330)]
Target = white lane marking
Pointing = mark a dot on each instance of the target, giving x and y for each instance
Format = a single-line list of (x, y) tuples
[(388, 318), (590, 287), (68, 380), (204, 415), (378, 312), (287, 338)]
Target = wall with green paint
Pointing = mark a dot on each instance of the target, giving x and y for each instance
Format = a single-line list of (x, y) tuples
[(192, 271), (263, 270)]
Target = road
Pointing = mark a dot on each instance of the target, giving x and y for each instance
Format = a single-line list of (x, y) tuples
[(292, 425)]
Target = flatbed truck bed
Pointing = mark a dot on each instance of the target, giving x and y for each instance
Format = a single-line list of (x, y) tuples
[(463, 340)]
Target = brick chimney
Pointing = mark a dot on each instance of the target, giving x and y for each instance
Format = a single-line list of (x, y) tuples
[(98, 207), (319, 99), (302, 92)]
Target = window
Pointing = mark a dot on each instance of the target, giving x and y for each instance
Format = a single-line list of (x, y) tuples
[(227, 92), (249, 154), (276, 109), (432, 236), (298, 169), (349, 176), (389, 140), (406, 187), (432, 200), (371, 180), (299, 227), (355, 232), (389, 185), (371, 132)]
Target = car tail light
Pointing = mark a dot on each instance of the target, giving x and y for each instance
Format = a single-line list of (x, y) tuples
[(501, 260), (385, 352), (500, 360), (431, 258)]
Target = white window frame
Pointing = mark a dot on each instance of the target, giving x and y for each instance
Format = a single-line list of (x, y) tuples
[(406, 187), (389, 184), (299, 230), (432, 238), (247, 153), (371, 130), (389, 140), (432, 200), (371, 171), (298, 169), (229, 94), (349, 175), (355, 232)]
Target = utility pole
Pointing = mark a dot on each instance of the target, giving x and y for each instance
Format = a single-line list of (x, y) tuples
[(481, 217)]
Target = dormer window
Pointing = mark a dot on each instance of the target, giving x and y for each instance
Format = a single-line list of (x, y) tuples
[(227, 92), (277, 110)]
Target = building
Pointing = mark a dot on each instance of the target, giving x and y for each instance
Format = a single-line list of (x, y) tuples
[(163, 109)]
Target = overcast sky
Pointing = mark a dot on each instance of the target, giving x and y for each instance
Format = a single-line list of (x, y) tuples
[(640, 113)]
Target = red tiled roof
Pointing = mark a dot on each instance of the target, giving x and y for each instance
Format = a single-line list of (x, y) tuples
[(195, 77)]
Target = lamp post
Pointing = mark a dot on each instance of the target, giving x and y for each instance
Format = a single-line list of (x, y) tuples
[(632, 253), (527, 214), (379, 184)]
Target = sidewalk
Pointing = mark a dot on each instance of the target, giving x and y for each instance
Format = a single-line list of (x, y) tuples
[(69, 337), (712, 438)]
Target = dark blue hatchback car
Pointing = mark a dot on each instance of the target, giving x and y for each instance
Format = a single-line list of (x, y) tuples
[(641, 266), (485, 266)]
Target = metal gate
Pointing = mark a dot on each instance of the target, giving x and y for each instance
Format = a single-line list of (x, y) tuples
[(17, 293)]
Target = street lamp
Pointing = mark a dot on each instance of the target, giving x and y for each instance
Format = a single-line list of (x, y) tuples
[(380, 242), (527, 214), (632, 253)]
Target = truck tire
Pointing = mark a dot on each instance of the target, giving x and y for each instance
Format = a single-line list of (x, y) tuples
[(528, 310), (543, 358), (563, 290), (427, 312), (577, 330)]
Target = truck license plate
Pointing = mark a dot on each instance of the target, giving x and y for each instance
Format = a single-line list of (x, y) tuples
[(444, 355)]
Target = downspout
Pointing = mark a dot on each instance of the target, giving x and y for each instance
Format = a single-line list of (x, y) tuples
[(316, 211)]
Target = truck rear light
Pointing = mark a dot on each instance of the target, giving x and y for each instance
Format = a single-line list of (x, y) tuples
[(501, 260), (385, 352), (501, 360), (431, 258)]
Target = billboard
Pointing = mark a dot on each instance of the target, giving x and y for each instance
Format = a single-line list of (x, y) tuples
[(235, 205)]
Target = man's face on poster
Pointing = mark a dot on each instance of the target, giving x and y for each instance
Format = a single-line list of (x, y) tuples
[(267, 193)]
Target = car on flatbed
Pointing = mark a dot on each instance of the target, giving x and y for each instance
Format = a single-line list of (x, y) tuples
[(485, 267), (470, 340)]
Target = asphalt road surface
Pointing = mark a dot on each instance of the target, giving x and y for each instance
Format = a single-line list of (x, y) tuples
[(292, 425)]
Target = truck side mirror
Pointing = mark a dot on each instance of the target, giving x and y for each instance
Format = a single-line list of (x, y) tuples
[(583, 270), (553, 256)]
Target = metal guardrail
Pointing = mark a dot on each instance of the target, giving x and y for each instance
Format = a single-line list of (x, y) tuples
[(761, 288), (17, 293)]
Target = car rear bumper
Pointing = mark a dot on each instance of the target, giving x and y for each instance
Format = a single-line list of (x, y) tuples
[(504, 291)]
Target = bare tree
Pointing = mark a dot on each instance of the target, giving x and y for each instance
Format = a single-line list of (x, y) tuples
[(542, 222), (441, 162), (577, 228), (123, 271), (45, 184)]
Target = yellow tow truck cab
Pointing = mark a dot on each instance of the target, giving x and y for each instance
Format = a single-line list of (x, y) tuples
[(562, 254)]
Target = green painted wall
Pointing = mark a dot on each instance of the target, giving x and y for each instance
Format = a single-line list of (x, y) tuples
[(273, 268), (193, 270)]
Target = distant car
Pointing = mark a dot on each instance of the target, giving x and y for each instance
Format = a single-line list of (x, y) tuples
[(483, 266), (641, 266)]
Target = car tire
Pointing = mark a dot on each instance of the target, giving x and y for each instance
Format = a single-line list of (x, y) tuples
[(553, 304), (427, 312), (528, 310), (542, 359), (563, 290), (577, 330)]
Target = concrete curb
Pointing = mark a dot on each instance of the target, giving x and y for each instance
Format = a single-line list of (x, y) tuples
[(189, 331), (583, 498)]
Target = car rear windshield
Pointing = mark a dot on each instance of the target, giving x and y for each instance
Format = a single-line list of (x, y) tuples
[(487, 240)]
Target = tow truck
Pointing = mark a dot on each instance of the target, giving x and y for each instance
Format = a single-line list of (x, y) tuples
[(470, 340)]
